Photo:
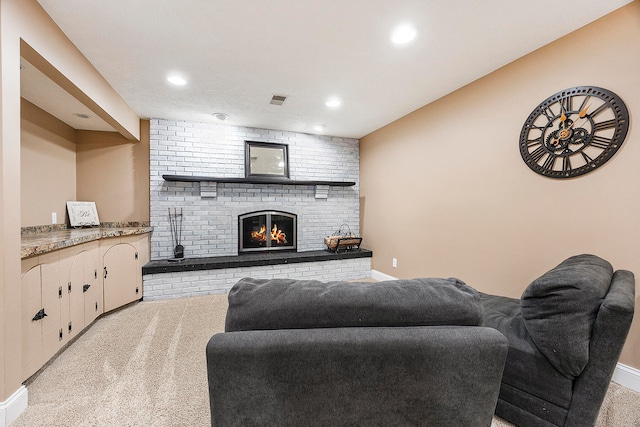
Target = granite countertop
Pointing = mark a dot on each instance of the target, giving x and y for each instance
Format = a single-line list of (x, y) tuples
[(40, 240)]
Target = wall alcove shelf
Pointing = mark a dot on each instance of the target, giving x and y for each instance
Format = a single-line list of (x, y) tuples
[(254, 180)]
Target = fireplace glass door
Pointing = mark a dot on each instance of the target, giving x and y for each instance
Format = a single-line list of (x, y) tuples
[(267, 231)]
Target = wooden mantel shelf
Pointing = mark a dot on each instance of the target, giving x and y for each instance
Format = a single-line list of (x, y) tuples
[(282, 181)]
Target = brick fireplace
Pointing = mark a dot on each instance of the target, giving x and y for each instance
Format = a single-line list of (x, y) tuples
[(212, 208)]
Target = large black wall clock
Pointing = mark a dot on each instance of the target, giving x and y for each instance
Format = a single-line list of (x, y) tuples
[(574, 131)]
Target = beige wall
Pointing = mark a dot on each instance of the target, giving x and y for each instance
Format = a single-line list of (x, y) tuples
[(114, 173), (47, 166), (59, 163), (25, 29), (445, 191)]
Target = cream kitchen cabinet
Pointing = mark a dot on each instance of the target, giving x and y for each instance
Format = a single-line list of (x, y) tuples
[(63, 291), (48, 316), (122, 261), (84, 287), (34, 318)]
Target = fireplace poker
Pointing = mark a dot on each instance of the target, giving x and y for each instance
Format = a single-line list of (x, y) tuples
[(175, 223)]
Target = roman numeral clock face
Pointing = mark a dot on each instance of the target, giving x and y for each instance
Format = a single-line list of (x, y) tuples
[(574, 131)]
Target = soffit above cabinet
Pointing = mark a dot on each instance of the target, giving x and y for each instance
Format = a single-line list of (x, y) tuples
[(43, 92)]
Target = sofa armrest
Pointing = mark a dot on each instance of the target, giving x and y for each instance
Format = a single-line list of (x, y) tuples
[(356, 376), (609, 335)]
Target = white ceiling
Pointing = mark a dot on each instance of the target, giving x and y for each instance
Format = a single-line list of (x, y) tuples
[(236, 54)]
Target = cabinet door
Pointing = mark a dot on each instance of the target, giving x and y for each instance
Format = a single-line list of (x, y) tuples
[(92, 286), (75, 293), (142, 244), (52, 302), (32, 316), (85, 289), (144, 250), (120, 276)]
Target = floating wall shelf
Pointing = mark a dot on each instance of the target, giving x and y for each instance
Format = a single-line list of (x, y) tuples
[(187, 178), (208, 184)]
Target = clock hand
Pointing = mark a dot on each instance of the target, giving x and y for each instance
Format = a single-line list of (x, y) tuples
[(581, 115), (584, 111), (564, 133), (563, 117)]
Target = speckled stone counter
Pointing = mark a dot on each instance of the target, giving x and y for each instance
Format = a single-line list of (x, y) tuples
[(42, 239)]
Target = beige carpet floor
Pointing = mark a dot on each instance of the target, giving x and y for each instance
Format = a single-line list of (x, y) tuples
[(145, 366)]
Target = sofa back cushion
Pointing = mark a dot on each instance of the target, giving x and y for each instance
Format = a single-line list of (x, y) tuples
[(257, 304), (560, 307)]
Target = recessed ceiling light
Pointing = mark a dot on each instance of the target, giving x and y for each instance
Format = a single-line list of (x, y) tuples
[(82, 115), (177, 80), (319, 128), (221, 116), (333, 102), (403, 34)]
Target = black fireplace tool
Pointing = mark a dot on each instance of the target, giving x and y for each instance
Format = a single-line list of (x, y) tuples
[(175, 221)]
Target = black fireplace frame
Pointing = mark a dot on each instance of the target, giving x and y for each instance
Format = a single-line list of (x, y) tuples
[(268, 247)]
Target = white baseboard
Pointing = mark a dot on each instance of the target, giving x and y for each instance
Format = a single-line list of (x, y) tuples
[(11, 408), (627, 376), (375, 274)]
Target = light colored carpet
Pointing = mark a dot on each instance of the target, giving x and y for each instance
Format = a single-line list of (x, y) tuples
[(145, 366), (141, 366)]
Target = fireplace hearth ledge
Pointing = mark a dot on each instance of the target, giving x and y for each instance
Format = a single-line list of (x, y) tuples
[(249, 260)]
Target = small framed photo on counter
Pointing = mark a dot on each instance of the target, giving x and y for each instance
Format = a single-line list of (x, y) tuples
[(83, 214)]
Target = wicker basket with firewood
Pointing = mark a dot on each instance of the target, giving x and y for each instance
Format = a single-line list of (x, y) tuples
[(342, 239)]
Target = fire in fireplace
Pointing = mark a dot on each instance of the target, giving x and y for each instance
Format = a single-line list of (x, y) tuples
[(267, 231)]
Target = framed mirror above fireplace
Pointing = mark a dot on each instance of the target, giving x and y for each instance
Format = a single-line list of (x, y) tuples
[(264, 159), (265, 231)]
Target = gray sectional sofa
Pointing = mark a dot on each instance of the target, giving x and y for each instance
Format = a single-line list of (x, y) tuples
[(400, 353), (565, 336), (421, 352)]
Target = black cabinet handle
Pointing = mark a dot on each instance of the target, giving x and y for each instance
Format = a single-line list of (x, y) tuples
[(85, 287), (105, 273), (39, 315)]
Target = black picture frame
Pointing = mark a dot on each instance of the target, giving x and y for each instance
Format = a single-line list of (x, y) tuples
[(266, 159)]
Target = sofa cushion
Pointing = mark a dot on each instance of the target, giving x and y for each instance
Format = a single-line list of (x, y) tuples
[(256, 304), (560, 307), (527, 370)]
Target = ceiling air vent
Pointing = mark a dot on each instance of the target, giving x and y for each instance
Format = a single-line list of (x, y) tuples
[(277, 99)]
